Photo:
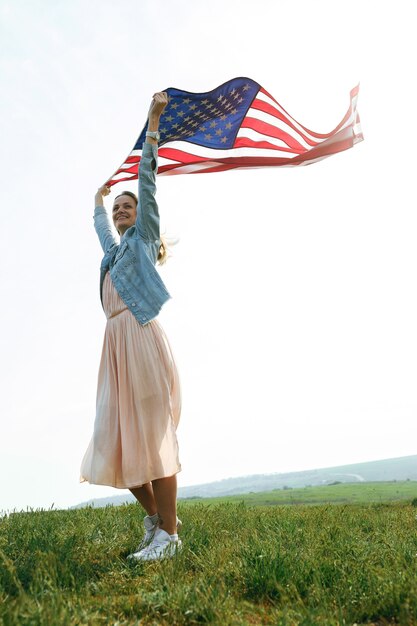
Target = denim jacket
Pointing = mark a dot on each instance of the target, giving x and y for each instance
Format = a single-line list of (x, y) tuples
[(131, 262)]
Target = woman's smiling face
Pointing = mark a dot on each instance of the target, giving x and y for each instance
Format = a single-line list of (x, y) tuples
[(124, 213)]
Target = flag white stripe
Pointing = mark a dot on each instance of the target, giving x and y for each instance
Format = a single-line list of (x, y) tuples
[(211, 153)]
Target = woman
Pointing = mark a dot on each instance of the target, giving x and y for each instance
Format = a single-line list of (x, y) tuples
[(134, 444)]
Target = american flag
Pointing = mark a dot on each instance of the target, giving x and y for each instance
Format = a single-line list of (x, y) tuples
[(236, 125)]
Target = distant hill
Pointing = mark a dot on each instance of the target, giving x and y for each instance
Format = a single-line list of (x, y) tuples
[(401, 468), (334, 493)]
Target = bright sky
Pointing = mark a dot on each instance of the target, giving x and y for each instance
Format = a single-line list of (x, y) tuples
[(293, 318)]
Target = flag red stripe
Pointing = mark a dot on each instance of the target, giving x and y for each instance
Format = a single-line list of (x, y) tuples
[(133, 159), (180, 155), (272, 131)]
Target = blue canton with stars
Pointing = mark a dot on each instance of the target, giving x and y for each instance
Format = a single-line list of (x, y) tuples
[(210, 119)]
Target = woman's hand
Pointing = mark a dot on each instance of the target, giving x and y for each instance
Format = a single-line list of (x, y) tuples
[(158, 104), (101, 192)]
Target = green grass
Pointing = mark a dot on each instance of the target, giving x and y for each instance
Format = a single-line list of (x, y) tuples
[(241, 565), (338, 493)]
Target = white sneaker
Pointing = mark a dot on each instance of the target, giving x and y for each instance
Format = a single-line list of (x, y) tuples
[(150, 529), (162, 546)]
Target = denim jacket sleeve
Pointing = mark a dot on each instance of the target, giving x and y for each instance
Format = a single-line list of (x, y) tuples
[(103, 228), (147, 220)]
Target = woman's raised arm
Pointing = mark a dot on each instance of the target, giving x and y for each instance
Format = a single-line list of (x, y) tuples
[(147, 212), (100, 194), (101, 220), (158, 104)]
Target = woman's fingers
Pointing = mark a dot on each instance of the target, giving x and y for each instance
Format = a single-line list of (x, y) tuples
[(104, 190), (161, 96), (159, 102)]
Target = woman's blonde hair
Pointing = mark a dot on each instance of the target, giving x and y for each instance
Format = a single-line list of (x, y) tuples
[(163, 252)]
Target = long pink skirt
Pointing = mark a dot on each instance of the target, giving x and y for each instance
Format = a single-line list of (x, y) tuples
[(138, 402)]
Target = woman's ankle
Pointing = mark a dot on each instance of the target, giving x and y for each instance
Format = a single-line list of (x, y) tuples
[(169, 527)]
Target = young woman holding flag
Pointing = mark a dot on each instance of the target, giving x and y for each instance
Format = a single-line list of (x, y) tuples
[(134, 444)]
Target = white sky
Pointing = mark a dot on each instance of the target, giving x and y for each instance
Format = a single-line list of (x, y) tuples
[(293, 318)]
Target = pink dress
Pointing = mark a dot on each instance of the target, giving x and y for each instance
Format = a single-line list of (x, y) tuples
[(138, 402)]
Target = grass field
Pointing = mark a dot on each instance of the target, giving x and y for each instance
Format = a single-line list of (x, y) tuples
[(328, 564), (337, 493)]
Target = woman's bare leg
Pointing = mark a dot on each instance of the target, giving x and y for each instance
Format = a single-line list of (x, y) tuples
[(145, 496), (165, 494)]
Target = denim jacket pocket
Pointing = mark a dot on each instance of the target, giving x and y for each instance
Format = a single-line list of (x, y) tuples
[(124, 255), (120, 253)]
